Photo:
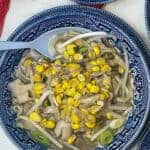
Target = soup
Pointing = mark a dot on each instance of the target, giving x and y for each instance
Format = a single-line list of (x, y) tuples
[(78, 101)]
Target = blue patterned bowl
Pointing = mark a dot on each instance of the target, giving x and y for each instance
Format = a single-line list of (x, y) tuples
[(144, 144), (93, 2), (94, 20)]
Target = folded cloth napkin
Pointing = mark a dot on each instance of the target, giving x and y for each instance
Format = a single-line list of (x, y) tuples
[(4, 5)]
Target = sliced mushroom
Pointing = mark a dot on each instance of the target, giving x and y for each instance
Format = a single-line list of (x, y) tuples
[(63, 129), (51, 110), (20, 91), (89, 99)]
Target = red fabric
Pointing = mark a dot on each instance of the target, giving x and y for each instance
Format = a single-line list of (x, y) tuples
[(97, 5), (4, 6)]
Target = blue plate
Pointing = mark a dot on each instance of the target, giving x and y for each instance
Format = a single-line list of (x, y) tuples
[(91, 2), (148, 16), (145, 142), (95, 20)]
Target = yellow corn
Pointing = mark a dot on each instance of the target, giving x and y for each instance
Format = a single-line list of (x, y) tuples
[(100, 61), (50, 124), (95, 69), (71, 92), (91, 118), (35, 117), (106, 68), (71, 139), (37, 78), (39, 68), (81, 77), (97, 50), (75, 126), (109, 116), (75, 118), (94, 89), (71, 49), (58, 99), (28, 62), (121, 70), (90, 124)]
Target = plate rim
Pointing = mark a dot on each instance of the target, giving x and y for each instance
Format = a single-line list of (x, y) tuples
[(145, 61), (89, 2)]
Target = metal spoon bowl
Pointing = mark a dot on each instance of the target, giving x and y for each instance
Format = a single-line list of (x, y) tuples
[(44, 44)]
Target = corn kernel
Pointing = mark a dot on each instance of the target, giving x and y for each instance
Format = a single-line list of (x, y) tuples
[(78, 57), (50, 124), (93, 82), (71, 101), (75, 126), (74, 66), (106, 93), (94, 109), (93, 62), (64, 112), (27, 62), (53, 71), (91, 55), (100, 61), (58, 99), (43, 122), (71, 49), (71, 139), (57, 62), (95, 69), (37, 78), (120, 70), (39, 68), (65, 84), (91, 118), (35, 117), (90, 124), (54, 82), (89, 85), (38, 88), (75, 118), (59, 89), (97, 50), (106, 68), (100, 103), (81, 85), (102, 96), (106, 81), (94, 89), (76, 103), (77, 95), (109, 116), (81, 77), (71, 92), (74, 82)]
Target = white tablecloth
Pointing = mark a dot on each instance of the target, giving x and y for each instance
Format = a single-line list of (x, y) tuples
[(131, 11)]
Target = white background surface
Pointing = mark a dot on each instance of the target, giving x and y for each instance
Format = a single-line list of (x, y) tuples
[(131, 11)]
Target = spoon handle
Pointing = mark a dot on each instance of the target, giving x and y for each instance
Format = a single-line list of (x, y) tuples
[(6, 45)]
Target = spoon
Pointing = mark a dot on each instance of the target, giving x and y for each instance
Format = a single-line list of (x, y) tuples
[(44, 44)]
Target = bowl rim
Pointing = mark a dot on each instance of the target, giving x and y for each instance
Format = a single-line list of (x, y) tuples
[(27, 23), (91, 2)]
